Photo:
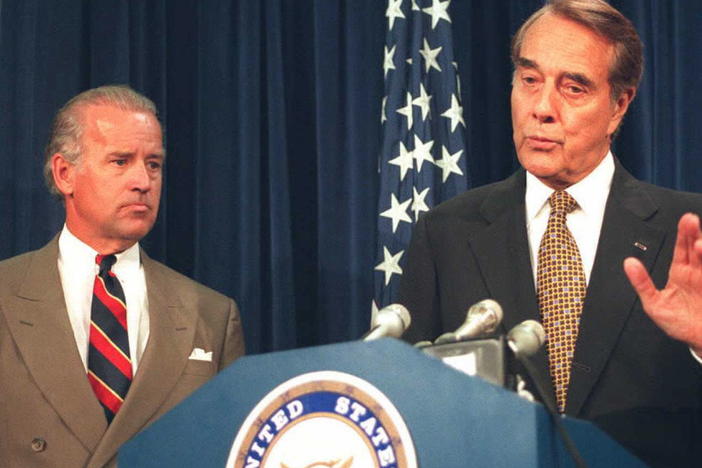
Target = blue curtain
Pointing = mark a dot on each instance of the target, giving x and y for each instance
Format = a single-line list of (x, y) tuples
[(272, 117)]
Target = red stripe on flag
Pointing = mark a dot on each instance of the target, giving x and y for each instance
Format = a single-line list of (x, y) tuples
[(114, 304), (111, 352), (104, 393)]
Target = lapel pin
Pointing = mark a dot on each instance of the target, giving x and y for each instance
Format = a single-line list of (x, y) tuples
[(639, 245)]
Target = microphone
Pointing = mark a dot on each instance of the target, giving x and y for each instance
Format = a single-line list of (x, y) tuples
[(526, 338), (482, 318), (390, 321)]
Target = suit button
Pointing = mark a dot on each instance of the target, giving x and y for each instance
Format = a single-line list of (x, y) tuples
[(38, 445)]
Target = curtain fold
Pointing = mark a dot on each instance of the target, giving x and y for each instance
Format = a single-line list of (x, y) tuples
[(348, 97), (271, 110)]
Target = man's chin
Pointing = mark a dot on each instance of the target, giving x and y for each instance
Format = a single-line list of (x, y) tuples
[(136, 230), (540, 165), (548, 174)]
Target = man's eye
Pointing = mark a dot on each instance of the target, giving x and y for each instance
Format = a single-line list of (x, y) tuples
[(119, 162), (154, 165), (575, 90)]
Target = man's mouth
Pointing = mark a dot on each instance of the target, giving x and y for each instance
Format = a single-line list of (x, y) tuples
[(539, 142)]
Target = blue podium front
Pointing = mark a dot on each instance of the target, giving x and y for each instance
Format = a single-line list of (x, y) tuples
[(452, 420)]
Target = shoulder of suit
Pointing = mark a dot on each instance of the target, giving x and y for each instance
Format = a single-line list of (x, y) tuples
[(691, 200), (18, 260), (14, 269), (677, 203), (468, 206), (182, 282), (669, 201)]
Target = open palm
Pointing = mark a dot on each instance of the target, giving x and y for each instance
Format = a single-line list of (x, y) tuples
[(677, 308)]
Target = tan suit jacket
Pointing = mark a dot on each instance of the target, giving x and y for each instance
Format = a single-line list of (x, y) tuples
[(49, 416)]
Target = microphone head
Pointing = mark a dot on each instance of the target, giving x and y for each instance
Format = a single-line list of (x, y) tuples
[(395, 319), (526, 338), (482, 318), (490, 308)]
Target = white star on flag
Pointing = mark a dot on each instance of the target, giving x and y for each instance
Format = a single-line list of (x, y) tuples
[(430, 55), (397, 211), (422, 101), (390, 264), (394, 11), (455, 113), (438, 11), (388, 64), (458, 78), (418, 203), (383, 117), (403, 161), (407, 111), (449, 163), (422, 152), (423, 84)]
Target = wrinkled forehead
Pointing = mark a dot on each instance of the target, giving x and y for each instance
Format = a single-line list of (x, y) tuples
[(557, 41)]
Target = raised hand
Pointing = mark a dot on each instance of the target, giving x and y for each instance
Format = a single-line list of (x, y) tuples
[(677, 308)]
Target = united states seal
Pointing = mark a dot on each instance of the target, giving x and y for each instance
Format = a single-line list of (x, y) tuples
[(324, 419)]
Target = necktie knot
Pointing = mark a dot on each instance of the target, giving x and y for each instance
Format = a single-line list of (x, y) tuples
[(105, 262), (562, 202)]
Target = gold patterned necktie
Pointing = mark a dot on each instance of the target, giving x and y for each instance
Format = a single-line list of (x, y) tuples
[(560, 284)]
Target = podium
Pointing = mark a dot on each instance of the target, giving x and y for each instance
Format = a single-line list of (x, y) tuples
[(454, 420)]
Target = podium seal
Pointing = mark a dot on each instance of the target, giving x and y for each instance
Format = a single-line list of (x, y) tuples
[(323, 419)]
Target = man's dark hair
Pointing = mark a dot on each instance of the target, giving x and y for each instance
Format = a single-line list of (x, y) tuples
[(600, 17)]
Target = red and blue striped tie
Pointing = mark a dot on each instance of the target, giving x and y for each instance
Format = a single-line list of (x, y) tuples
[(109, 365)]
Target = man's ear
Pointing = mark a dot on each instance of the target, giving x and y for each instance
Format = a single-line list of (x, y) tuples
[(621, 105), (63, 172)]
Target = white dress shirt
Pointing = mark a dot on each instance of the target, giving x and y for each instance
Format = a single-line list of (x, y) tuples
[(77, 268), (585, 222)]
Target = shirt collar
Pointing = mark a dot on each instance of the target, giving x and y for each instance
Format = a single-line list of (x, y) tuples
[(75, 253), (128, 260), (591, 192)]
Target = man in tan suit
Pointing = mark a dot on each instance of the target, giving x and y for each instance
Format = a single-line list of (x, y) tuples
[(104, 159)]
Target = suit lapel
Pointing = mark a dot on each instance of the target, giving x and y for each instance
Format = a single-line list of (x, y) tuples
[(502, 252), (38, 315), (610, 298), (171, 334)]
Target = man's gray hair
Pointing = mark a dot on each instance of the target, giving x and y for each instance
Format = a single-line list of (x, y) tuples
[(598, 16), (67, 128)]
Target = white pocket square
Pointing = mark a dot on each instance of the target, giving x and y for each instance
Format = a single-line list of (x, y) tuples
[(199, 354)]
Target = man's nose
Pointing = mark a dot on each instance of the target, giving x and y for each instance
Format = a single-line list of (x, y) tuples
[(545, 106), (139, 177)]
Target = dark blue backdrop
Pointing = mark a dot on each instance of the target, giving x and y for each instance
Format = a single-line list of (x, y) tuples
[(272, 115)]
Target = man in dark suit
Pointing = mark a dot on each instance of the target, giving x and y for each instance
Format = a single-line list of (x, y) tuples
[(58, 362), (633, 364)]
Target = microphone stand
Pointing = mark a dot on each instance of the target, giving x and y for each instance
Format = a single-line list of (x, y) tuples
[(570, 446)]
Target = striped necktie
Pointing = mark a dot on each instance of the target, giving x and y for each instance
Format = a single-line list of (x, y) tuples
[(109, 365), (560, 285)]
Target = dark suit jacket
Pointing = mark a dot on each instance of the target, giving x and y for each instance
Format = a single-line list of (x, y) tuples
[(636, 383), (49, 416)]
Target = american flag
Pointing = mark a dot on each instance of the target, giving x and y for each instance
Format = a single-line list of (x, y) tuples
[(423, 159)]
